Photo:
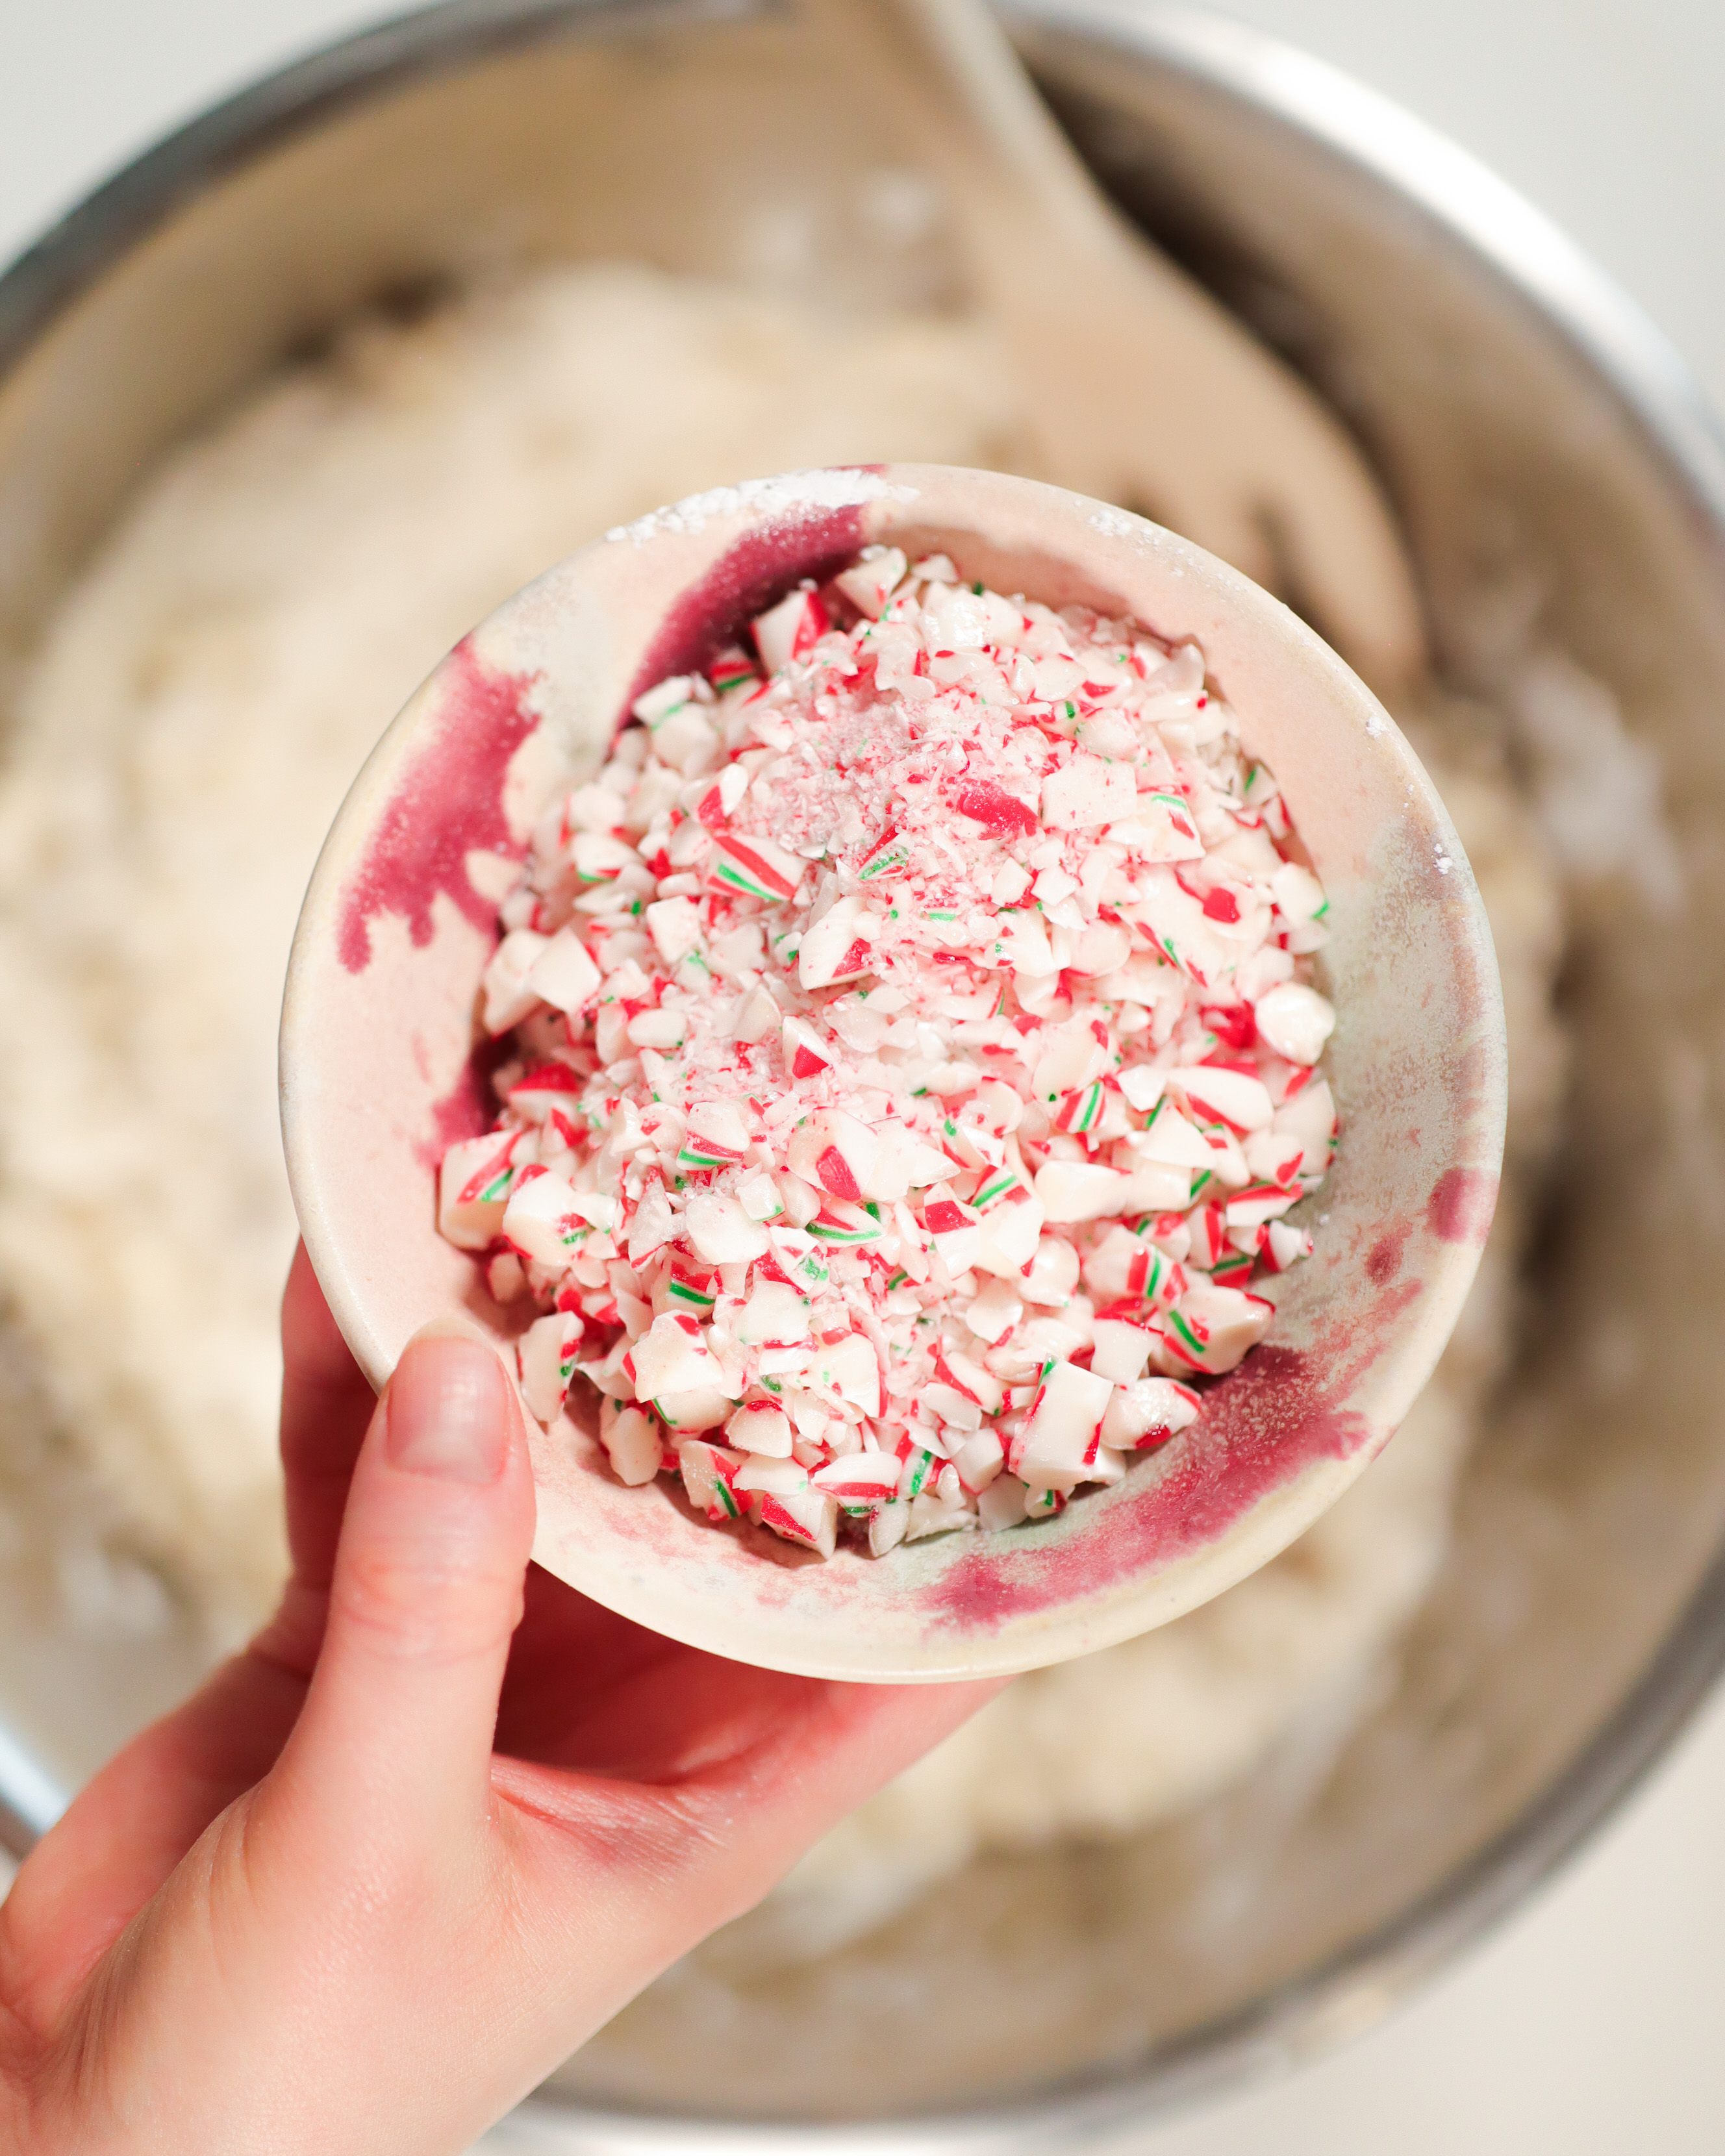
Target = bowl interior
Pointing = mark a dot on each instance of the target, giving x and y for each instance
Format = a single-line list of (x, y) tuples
[(1562, 501), (380, 1070)]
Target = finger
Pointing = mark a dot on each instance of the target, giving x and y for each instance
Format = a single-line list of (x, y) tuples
[(326, 1404), (394, 1741)]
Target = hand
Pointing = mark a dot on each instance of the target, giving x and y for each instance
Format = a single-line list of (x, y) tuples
[(427, 1833)]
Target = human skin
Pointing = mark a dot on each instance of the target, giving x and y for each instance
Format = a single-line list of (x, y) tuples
[(434, 1826)]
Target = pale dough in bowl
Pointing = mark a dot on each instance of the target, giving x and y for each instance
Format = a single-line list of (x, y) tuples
[(205, 696)]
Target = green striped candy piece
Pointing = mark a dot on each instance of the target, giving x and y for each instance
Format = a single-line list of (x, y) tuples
[(895, 854), (839, 1221), (694, 1154)]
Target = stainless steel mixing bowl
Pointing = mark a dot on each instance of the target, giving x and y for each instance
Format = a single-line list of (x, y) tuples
[(1563, 491)]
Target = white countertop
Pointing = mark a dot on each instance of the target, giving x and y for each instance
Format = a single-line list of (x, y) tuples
[(1591, 2023)]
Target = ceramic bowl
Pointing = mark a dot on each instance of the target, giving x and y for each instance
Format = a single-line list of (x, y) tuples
[(379, 1071)]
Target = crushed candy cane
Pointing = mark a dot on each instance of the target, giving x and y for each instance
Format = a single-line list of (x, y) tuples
[(912, 1065)]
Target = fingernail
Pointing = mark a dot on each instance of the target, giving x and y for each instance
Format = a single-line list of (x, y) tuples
[(448, 1408)]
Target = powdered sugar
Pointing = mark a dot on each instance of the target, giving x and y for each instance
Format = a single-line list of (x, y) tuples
[(787, 492)]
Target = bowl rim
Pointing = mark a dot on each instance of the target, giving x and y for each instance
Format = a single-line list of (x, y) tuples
[(1461, 202), (354, 1141)]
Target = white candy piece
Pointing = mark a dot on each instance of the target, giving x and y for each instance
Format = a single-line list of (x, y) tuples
[(563, 975), (1070, 1190), (903, 1162), (722, 1231), (1159, 828), (836, 948), (1020, 945), (935, 1514), (546, 1357), (1122, 1264), (1053, 1273), (1210, 1328), (1274, 1156), (1171, 1141), (807, 1515), (1147, 1412), (1121, 1350), (1108, 1467), (887, 1528), (675, 925), (784, 1478), (835, 1152), (784, 632), (668, 697), (592, 808), (851, 1368), (859, 1478), (1285, 1246), (717, 1127), (701, 1407), (873, 580), (1296, 1021), (1142, 1087), (953, 1231), (1310, 1117), (709, 1471), (546, 1217), (775, 1315), (1071, 1056), (1227, 1096), (1060, 1438), (1181, 929), (1102, 947), (758, 1197), (758, 1017), (687, 741), (1086, 792), (1010, 1235), (1001, 1505), (1154, 1187), (672, 1356), (658, 1028), (474, 1183), (993, 1311), (598, 856), (1257, 1209), (758, 1426), (508, 999), (1299, 896), (632, 1443)]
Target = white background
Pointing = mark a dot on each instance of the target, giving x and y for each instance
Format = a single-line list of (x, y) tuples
[(1593, 2024)]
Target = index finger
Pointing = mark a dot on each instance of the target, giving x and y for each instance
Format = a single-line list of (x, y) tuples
[(327, 1402)]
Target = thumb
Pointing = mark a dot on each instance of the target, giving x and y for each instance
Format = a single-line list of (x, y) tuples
[(398, 1723)]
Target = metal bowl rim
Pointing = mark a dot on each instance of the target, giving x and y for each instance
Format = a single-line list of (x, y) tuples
[(1474, 210)]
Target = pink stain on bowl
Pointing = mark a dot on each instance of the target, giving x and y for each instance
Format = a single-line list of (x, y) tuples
[(447, 805), (469, 1107), (808, 540), (1383, 1260), (1263, 1425), (1461, 1205)]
